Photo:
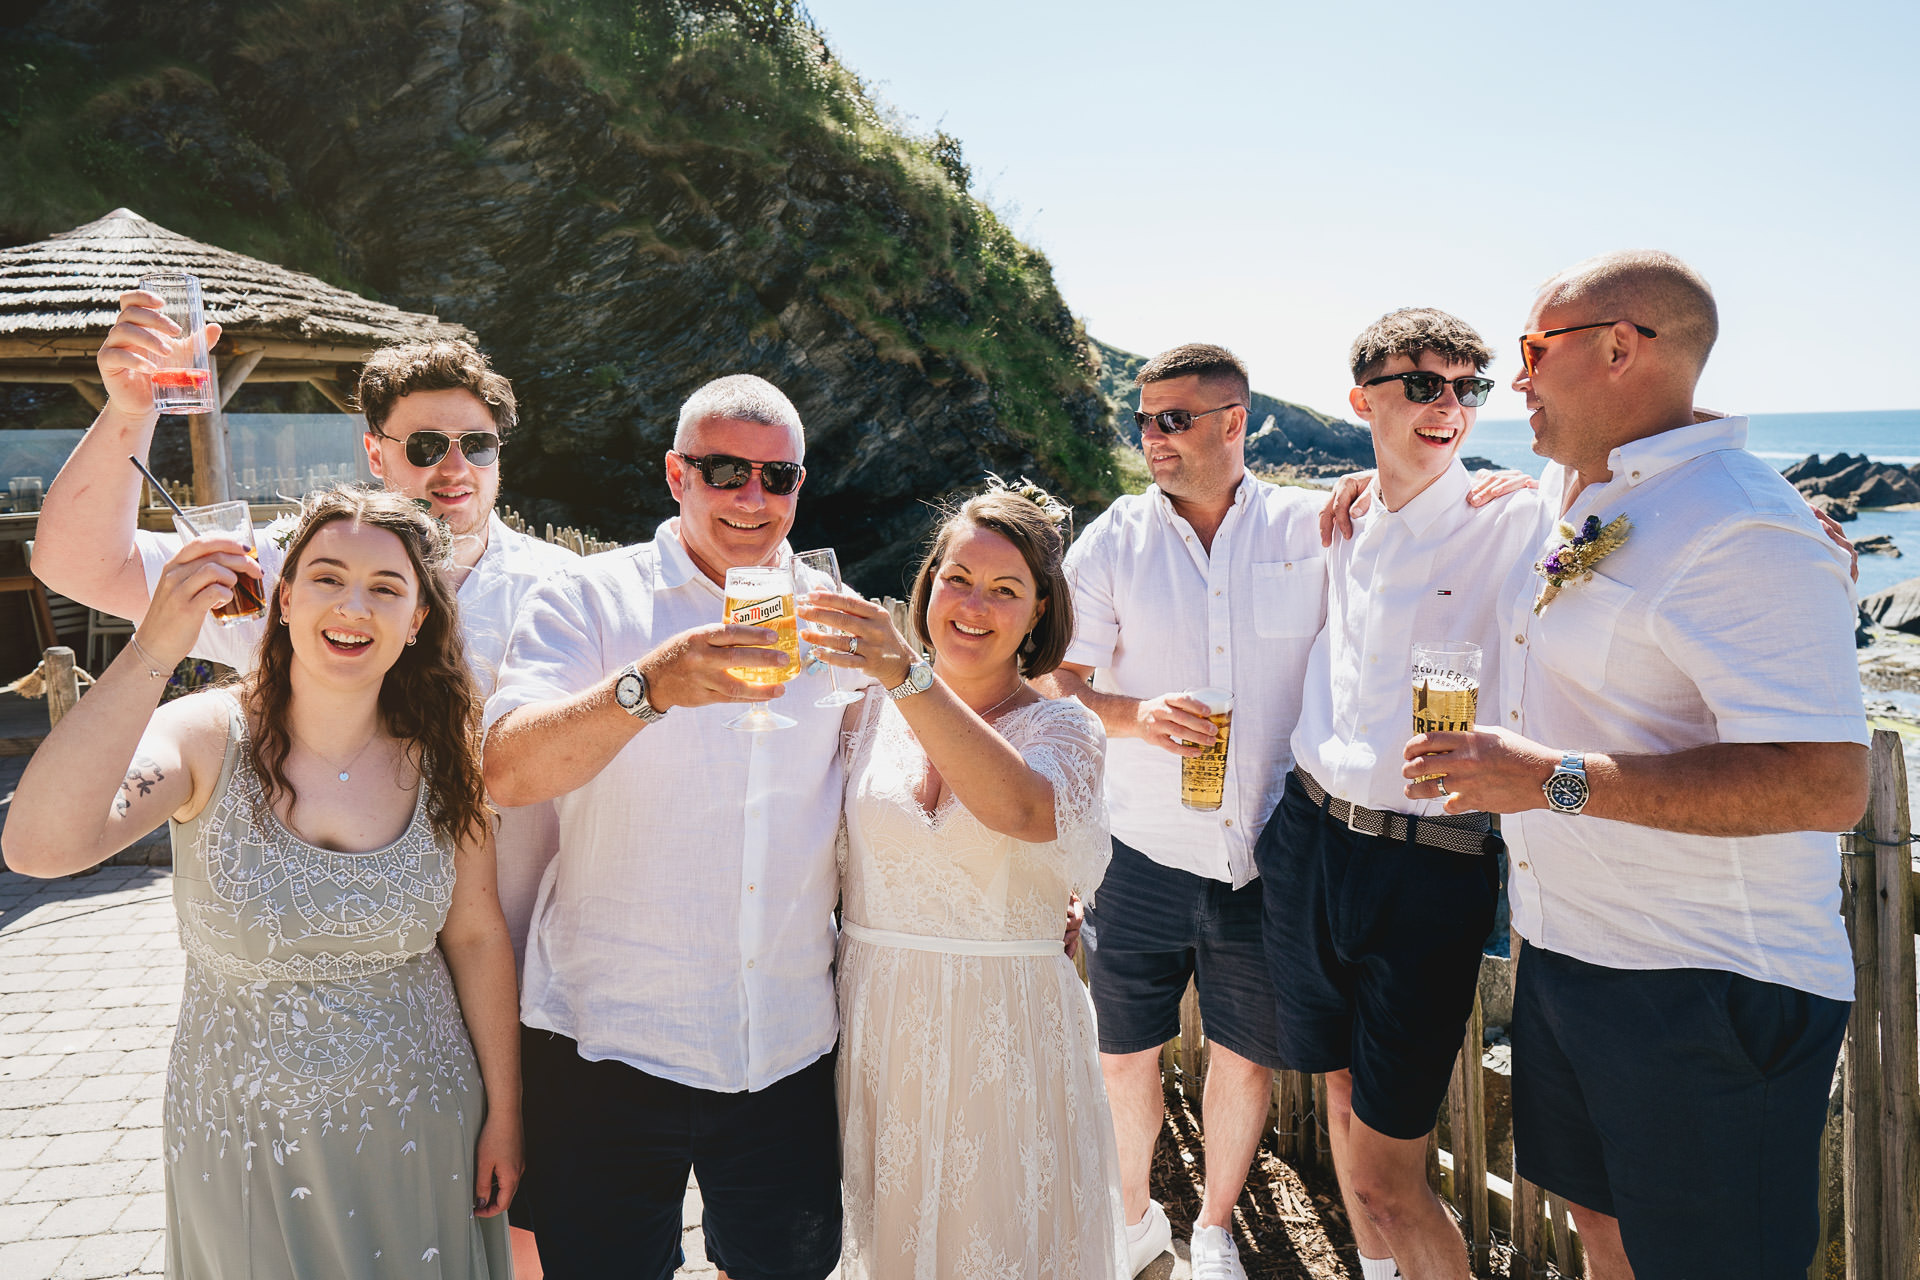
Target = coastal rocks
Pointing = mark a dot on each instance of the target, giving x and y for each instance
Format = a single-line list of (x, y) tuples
[(1880, 544), (1855, 477), (1897, 608), (1841, 509)]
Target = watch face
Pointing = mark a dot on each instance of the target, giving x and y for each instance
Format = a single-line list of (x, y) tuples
[(922, 676), (1566, 791), (626, 691)]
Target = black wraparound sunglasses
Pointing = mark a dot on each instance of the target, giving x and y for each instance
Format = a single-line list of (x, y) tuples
[(1423, 387), (721, 471), (426, 448), (1174, 421)]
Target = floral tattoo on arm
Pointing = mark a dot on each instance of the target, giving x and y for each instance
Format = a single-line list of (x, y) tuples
[(140, 781)]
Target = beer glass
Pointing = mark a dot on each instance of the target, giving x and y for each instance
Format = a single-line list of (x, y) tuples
[(1446, 689), (1203, 778), (230, 518), (762, 596), (184, 381), (820, 571)]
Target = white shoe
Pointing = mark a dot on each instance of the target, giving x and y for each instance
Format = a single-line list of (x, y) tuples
[(1214, 1255), (1148, 1239)]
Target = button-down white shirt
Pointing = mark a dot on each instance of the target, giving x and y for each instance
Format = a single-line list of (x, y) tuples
[(1155, 612), (1725, 617), (685, 927), (1435, 570), (490, 598)]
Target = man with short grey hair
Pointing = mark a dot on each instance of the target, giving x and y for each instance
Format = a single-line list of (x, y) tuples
[(678, 1006)]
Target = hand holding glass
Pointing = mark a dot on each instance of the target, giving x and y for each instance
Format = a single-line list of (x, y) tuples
[(1446, 690), (820, 570), (183, 382), (235, 520)]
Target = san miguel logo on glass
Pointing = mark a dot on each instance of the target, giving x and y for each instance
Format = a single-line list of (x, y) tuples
[(758, 613)]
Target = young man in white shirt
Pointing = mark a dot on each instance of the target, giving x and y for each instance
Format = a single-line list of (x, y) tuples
[(678, 1003), (1211, 578), (1377, 907), (1672, 755)]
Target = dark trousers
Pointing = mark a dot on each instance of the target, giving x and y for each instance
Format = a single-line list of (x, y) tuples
[(609, 1148)]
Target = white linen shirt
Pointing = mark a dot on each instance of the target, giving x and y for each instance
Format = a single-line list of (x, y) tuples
[(1434, 570), (490, 598), (1725, 617), (686, 926), (1155, 612)]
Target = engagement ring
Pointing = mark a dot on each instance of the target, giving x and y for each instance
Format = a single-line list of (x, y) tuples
[(853, 646)]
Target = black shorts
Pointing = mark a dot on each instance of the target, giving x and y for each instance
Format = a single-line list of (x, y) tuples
[(1152, 929), (609, 1148), (1374, 948), (1687, 1103)]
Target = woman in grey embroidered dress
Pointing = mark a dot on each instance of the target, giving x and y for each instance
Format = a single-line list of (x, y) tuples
[(975, 1136), (325, 1116)]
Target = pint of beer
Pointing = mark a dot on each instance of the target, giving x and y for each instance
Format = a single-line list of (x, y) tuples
[(763, 597), (1203, 778), (1446, 689)]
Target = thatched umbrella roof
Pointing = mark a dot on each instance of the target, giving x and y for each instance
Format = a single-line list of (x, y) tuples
[(59, 296)]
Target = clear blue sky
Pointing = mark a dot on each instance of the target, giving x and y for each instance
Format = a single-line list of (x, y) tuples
[(1274, 176)]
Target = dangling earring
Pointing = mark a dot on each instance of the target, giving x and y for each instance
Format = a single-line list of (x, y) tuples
[(1028, 646)]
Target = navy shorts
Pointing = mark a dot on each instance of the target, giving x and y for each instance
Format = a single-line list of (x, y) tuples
[(610, 1147), (1687, 1103), (1374, 946), (1152, 929)]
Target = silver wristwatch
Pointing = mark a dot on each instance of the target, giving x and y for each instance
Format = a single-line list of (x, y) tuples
[(630, 691), (919, 680), (1566, 786)]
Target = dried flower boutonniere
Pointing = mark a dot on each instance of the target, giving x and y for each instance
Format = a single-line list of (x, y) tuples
[(1573, 560)]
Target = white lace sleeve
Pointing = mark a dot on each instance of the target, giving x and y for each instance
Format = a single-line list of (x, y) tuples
[(1065, 743)]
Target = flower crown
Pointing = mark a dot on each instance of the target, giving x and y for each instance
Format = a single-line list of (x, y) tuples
[(1056, 512)]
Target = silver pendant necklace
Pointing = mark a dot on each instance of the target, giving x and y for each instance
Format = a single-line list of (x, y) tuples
[(1018, 685), (343, 770)]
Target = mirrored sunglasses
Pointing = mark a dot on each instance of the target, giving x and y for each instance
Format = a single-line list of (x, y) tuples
[(426, 448), (1174, 421), (1423, 387), (721, 471)]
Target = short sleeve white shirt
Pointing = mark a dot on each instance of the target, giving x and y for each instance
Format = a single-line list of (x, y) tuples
[(1156, 612), (489, 599), (1725, 617), (1435, 570), (685, 926)]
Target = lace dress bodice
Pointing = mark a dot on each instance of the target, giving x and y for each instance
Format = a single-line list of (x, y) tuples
[(944, 874)]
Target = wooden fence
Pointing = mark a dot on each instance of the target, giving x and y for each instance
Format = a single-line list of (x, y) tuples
[(1873, 1130)]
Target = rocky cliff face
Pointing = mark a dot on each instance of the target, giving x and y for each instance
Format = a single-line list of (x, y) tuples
[(617, 237)]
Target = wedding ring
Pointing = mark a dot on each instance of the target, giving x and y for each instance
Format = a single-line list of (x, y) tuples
[(853, 646), (1440, 785)]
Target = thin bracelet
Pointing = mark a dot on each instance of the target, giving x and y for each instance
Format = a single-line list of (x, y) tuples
[(134, 640)]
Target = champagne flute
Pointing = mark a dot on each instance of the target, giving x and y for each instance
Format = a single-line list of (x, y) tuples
[(824, 564), (762, 596)]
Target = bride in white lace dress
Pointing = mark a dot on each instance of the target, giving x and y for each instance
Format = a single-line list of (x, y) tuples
[(976, 1140)]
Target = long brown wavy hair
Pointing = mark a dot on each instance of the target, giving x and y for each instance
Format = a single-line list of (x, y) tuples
[(428, 699)]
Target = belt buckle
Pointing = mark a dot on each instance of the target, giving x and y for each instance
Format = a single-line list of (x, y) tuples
[(1354, 812)]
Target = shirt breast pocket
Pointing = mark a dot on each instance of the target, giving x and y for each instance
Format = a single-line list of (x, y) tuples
[(1289, 597), (1575, 634)]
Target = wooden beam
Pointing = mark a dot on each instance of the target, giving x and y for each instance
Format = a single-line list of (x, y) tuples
[(92, 392), (1861, 1136), (234, 376), (1899, 1061), (265, 370), (333, 391), (212, 461)]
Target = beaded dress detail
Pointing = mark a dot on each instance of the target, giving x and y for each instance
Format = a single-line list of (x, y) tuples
[(976, 1141), (323, 1102)]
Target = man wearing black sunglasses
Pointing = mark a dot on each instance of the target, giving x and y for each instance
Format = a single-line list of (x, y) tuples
[(1376, 906)]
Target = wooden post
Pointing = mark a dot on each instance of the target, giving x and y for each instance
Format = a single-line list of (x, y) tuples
[(1322, 1125), (1888, 823), (1865, 1194), (1562, 1233), (1529, 1245), (63, 686), (212, 465), (1190, 1039), (1467, 1125)]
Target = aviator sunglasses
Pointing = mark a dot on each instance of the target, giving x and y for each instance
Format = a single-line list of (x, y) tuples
[(426, 448), (1527, 340), (1423, 387), (723, 472), (1174, 421)]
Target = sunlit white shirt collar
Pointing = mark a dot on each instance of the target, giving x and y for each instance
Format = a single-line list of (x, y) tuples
[(1163, 504), (1446, 494), (1638, 461)]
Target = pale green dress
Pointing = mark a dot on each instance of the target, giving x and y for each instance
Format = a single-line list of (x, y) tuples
[(323, 1102)]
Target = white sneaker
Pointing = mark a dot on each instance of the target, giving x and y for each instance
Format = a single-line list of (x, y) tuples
[(1214, 1255), (1148, 1238)]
